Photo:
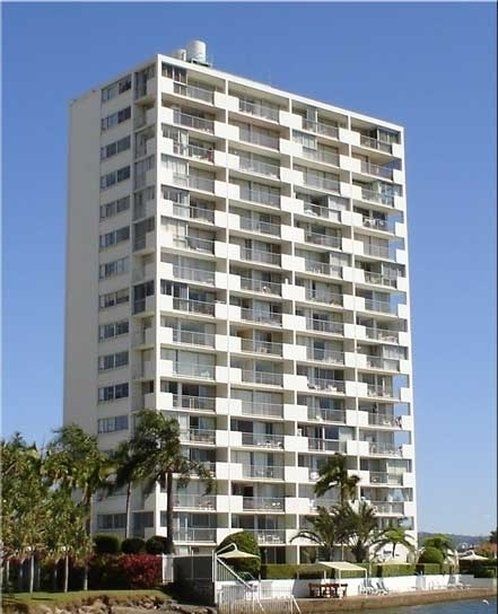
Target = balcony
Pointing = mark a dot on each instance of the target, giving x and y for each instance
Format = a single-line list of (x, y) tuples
[(193, 121), (259, 138), (378, 279), (382, 334), (258, 285), (194, 91), (385, 364), (193, 306), (195, 535), (190, 370), (377, 197), (257, 166), (260, 196), (193, 338), (319, 383), (384, 449), (374, 390), (325, 326), (263, 504), (375, 223), (326, 445), (322, 268), (194, 244), (322, 296), (262, 317), (260, 440), (257, 255), (375, 169), (377, 251), (261, 347), (262, 409), (323, 355), (268, 536), (322, 212), (389, 479), (317, 414), (194, 182), (321, 183), (204, 436), (194, 152), (384, 420), (270, 472), (192, 274), (388, 507), (380, 306), (321, 128), (194, 402), (195, 502), (368, 141), (193, 212), (267, 228), (262, 377), (323, 239), (259, 109), (319, 155)]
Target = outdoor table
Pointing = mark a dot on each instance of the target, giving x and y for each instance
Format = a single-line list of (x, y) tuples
[(332, 589)]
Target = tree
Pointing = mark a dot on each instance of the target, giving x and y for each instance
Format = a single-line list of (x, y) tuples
[(326, 530), (493, 537), (397, 536), (334, 473), (127, 471), (361, 529), (245, 542), (157, 456), (441, 542)]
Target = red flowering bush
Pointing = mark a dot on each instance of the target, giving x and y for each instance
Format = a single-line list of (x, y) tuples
[(141, 570)]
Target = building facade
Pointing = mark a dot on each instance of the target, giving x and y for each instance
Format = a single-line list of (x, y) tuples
[(237, 259)]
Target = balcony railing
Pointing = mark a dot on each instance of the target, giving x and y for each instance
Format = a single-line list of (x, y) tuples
[(263, 197), (369, 141), (193, 121), (257, 166), (318, 414), (323, 239), (259, 109), (268, 536), (194, 151), (261, 347), (379, 279), (323, 355), (262, 377), (194, 402), (198, 436), (377, 197), (195, 182), (374, 390), (193, 337), (319, 383), (384, 420), (322, 183), (381, 306), (259, 285), (262, 441), (322, 212), (194, 91), (195, 244), (193, 212), (272, 472), (320, 155), (326, 445), (262, 409), (391, 479), (266, 504), (264, 317), (193, 306), (387, 364), (322, 268), (382, 334), (259, 138), (195, 502), (322, 296), (388, 507), (195, 535), (258, 255), (377, 251), (375, 169), (321, 128), (201, 275), (267, 228), (325, 326), (189, 370), (376, 223), (385, 449)]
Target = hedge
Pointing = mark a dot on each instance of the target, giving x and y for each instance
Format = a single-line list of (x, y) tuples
[(485, 572), (106, 544), (124, 571), (431, 555), (246, 542), (305, 572), (428, 569), (394, 569), (133, 545), (156, 545)]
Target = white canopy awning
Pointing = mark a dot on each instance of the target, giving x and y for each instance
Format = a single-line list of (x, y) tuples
[(341, 566)]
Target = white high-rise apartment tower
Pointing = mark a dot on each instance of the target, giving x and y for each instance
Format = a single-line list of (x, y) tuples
[(237, 259)]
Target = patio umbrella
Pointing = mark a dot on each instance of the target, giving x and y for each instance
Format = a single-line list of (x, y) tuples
[(471, 556), (237, 554)]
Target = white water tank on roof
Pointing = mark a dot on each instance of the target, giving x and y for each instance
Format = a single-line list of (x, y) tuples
[(196, 52), (180, 54)]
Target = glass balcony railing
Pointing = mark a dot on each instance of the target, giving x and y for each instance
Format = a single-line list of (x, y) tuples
[(263, 504), (272, 472), (196, 182), (194, 151), (388, 507), (384, 420), (257, 166), (261, 347), (192, 370), (193, 306), (193, 121), (379, 280), (386, 364), (321, 128), (372, 143), (322, 183), (322, 268), (263, 197), (376, 223), (194, 91), (319, 155), (325, 326), (195, 502), (262, 377), (380, 306), (192, 274), (267, 228), (385, 449), (193, 338), (194, 402), (323, 355), (259, 109), (377, 251), (262, 409), (323, 239), (257, 255), (375, 169), (195, 244), (390, 479), (264, 317), (193, 212), (382, 334), (326, 445), (259, 138), (198, 436), (374, 390), (260, 440), (377, 197), (322, 296), (259, 285), (318, 414), (195, 535), (319, 383)]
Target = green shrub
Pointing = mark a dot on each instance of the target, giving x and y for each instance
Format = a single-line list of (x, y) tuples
[(431, 555), (246, 542), (288, 572), (106, 544), (133, 545), (428, 569), (390, 570), (156, 545), (485, 572)]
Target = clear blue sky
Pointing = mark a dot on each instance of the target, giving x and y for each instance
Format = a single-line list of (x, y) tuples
[(427, 66)]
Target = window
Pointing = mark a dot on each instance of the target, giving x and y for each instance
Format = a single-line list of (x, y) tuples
[(111, 393), (114, 207), (140, 293), (174, 72), (111, 521), (115, 118), (110, 425), (114, 148), (115, 267), (115, 89), (106, 181), (111, 299), (113, 329), (113, 361), (113, 238)]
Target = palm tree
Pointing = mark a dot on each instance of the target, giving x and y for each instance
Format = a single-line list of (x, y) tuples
[(361, 529), (335, 473), (158, 457), (493, 537), (441, 542), (397, 536), (326, 530)]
